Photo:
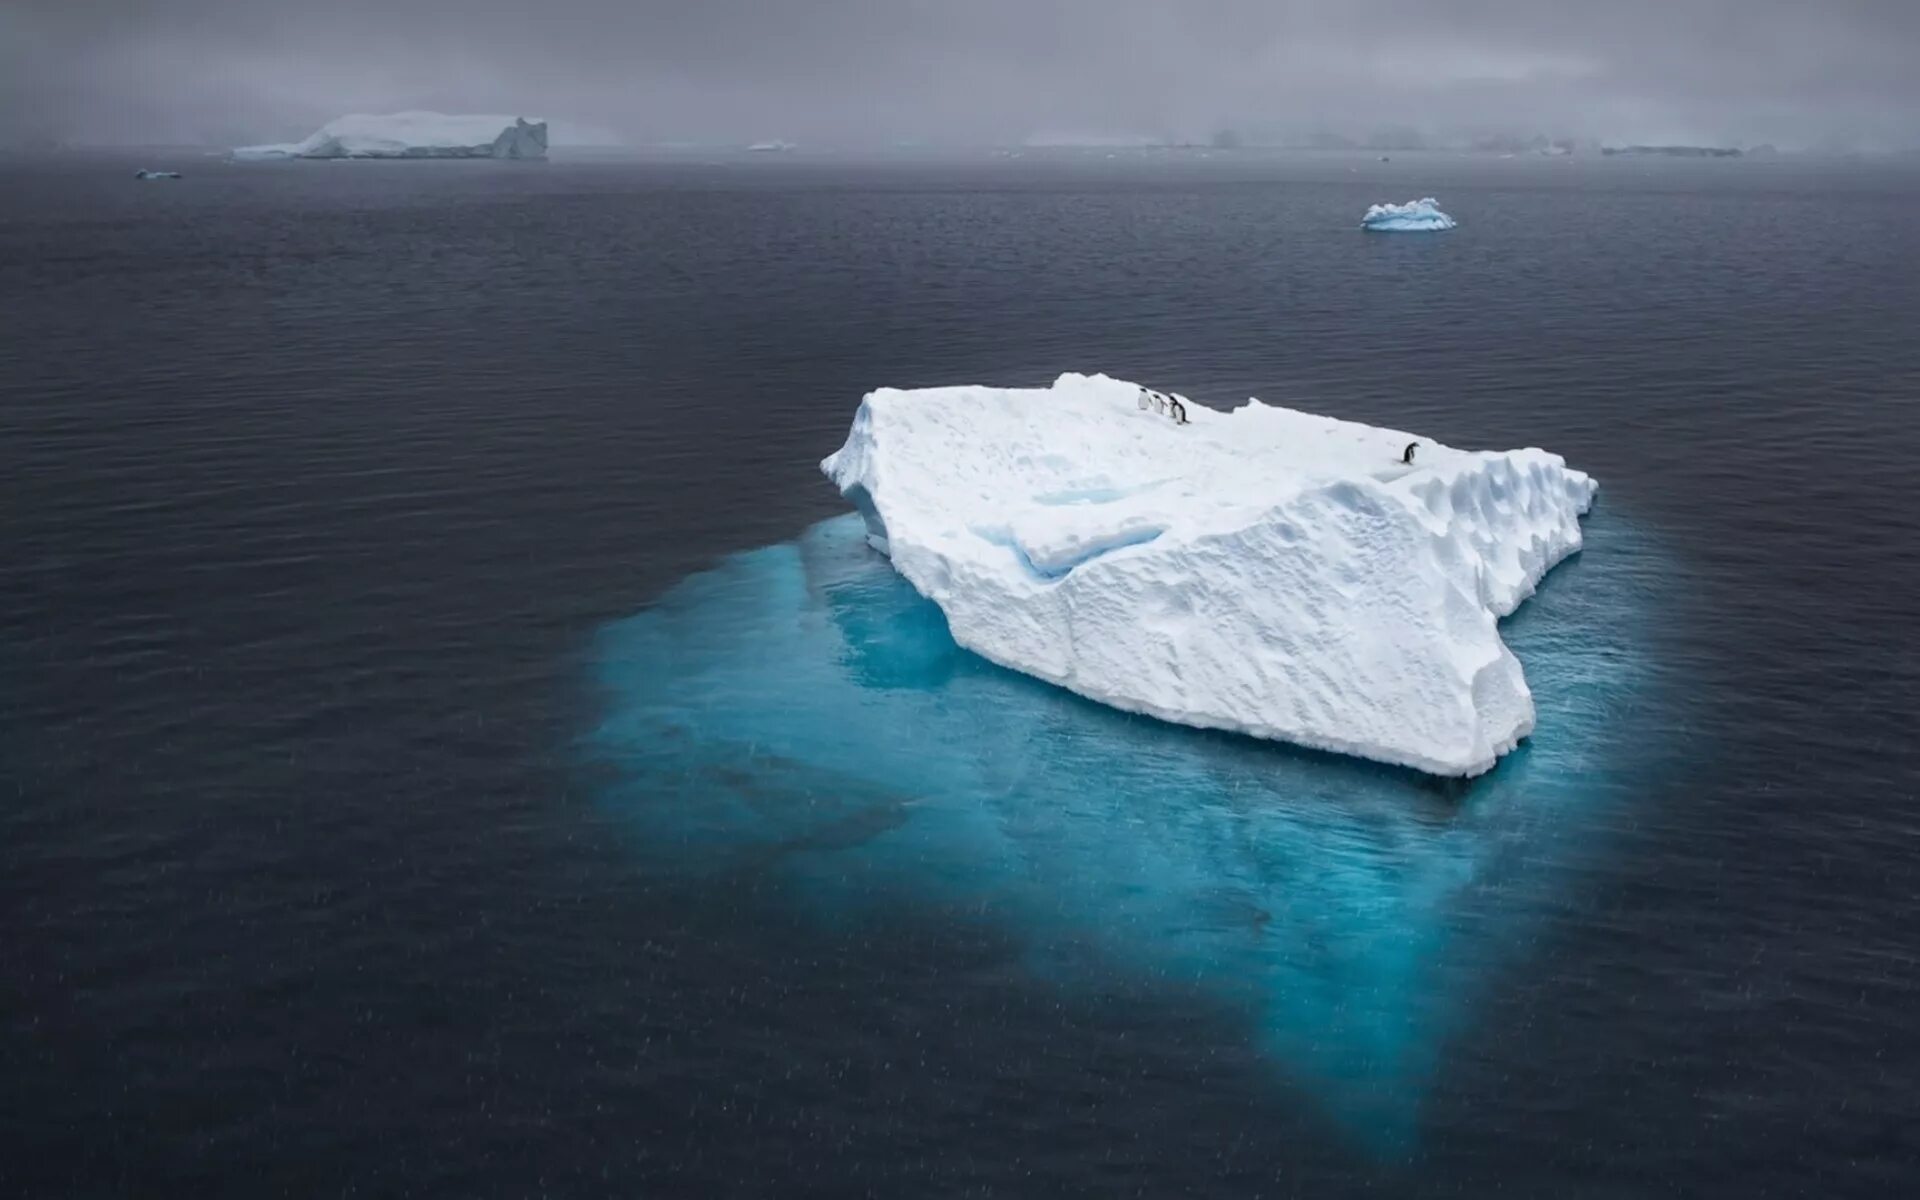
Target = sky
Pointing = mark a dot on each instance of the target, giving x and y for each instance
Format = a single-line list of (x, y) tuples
[(973, 72)]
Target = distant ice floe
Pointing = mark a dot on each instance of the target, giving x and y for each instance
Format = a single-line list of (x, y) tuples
[(1415, 216), (412, 135), (146, 174)]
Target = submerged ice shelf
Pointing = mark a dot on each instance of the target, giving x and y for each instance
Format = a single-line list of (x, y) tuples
[(1265, 571), (800, 719)]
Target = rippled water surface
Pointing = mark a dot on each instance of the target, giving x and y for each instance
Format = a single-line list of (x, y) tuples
[(457, 747)]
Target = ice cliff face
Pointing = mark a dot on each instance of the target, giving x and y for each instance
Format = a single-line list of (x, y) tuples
[(413, 135), (1415, 216), (1267, 571)]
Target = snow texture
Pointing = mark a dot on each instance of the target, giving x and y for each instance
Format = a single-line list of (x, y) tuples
[(1415, 216), (1263, 570), (413, 135)]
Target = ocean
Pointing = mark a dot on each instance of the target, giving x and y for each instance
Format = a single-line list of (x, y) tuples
[(458, 745)]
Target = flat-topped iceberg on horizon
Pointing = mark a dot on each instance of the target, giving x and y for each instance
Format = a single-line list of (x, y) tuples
[(1415, 216), (1266, 571), (413, 135)]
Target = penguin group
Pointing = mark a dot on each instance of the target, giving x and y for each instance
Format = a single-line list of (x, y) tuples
[(1162, 403)]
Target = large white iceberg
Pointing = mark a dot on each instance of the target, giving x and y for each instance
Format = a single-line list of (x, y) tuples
[(413, 135), (1273, 572), (1415, 216)]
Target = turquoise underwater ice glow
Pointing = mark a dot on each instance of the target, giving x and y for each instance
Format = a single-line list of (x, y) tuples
[(801, 710)]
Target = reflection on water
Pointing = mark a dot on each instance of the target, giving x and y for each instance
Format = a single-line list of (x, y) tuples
[(801, 711)]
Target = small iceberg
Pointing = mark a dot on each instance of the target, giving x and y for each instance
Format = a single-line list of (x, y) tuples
[(146, 174), (1415, 216)]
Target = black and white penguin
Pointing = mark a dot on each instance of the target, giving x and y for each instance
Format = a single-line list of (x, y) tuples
[(1407, 457)]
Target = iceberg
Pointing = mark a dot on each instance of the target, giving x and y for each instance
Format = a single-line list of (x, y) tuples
[(1263, 571), (412, 135), (1415, 216), (143, 173)]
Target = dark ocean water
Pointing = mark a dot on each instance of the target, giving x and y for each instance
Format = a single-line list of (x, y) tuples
[(449, 756)]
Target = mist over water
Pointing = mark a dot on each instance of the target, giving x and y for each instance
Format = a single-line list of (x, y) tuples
[(874, 72)]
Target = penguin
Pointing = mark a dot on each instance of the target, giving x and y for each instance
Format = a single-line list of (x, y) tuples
[(1407, 457), (1179, 411)]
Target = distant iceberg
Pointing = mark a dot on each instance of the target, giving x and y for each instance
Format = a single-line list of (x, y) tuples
[(146, 174), (1266, 571), (1415, 216), (412, 135), (774, 147), (1673, 151)]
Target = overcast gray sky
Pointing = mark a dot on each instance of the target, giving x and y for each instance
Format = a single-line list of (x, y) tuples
[(971, 71)]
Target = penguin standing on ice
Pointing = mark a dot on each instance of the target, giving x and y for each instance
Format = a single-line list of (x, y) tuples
[(1164, 404), (1407, 456)]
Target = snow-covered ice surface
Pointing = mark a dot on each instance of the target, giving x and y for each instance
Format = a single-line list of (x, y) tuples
[(413, 135), (797, 729), (1264, 571), (1415, 216)]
